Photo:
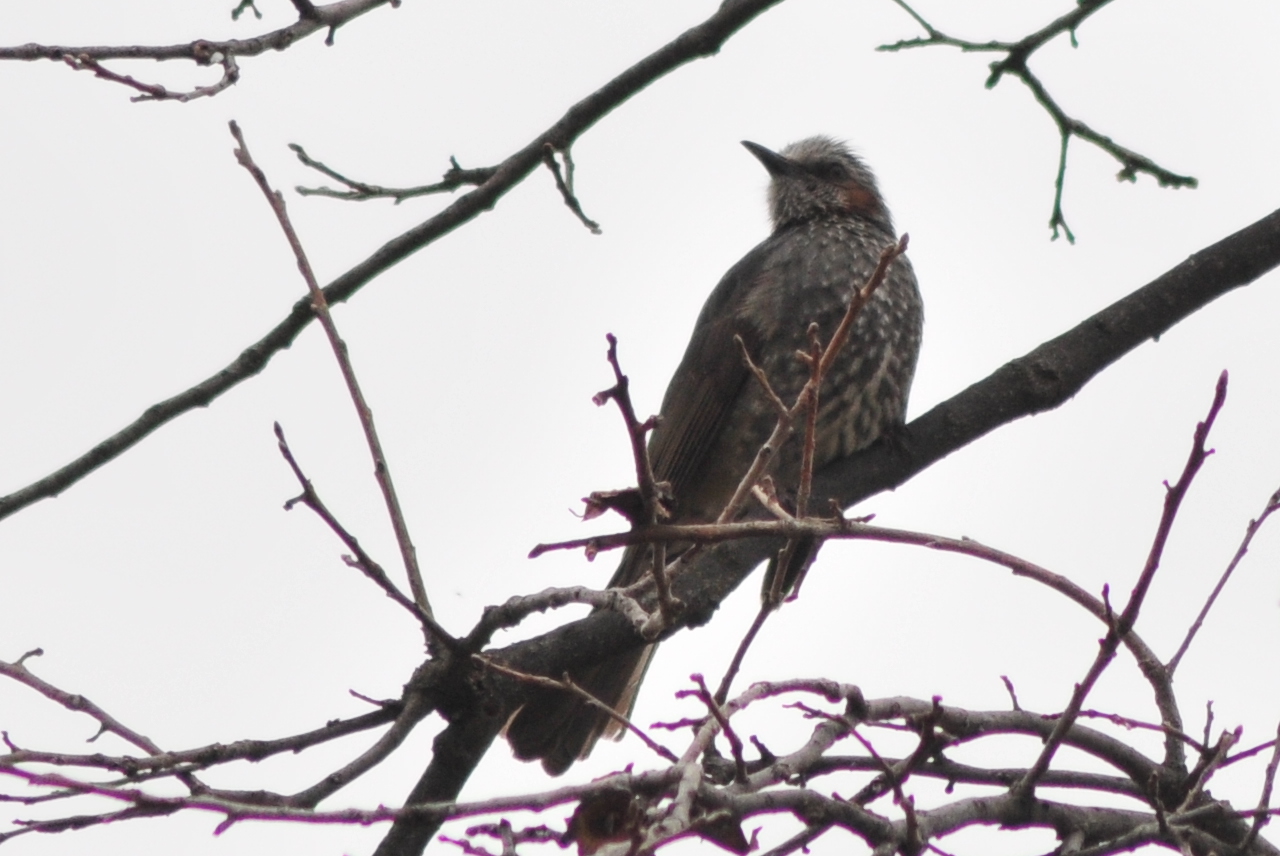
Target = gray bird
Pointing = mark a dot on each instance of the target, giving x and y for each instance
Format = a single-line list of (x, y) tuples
[(829, 226)]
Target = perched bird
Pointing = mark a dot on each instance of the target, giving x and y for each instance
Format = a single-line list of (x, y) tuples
[(829, 226)]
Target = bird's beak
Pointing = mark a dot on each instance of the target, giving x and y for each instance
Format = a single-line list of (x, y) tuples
[(774, 162)]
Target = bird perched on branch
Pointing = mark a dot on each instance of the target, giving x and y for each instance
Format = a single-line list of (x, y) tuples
[(830, 225)]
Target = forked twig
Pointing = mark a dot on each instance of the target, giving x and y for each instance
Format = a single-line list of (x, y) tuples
[(1123, 624), (321, 307), (154, 91), (716, 709), (359, 559), (1014, 63), (362, 191), (564, 183), (651, 494)]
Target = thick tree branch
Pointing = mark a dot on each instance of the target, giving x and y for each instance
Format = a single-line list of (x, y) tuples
[(1038, 381)]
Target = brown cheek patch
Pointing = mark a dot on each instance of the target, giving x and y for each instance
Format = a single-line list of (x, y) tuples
[(860, 200)]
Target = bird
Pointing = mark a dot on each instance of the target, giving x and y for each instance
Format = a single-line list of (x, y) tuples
[(830, 224)]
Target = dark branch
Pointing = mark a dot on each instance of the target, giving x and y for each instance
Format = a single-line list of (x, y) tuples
[(701, 41), (203, 51), (1038, 381), (1015, 63)]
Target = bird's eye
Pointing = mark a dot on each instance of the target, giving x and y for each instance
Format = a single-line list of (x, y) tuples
[(828, 170)]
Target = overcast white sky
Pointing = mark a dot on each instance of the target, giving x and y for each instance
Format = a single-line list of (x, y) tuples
[(137, 258)]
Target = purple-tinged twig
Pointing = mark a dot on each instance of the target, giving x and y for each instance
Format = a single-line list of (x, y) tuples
[(740, 654), (205, 51), (1206, 767), (1123, 624), (154, 91), (894, 778), (1136, 724), (1250, 752), (1013, 695), (1263, 814), (717, 713), (651, 493)]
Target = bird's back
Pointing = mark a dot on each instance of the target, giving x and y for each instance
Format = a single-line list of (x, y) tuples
[(801, 274)]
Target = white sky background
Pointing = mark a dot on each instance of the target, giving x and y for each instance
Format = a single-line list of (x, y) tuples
[(137, 258)]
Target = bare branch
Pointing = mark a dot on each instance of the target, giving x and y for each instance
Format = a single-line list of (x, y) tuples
[(1263, 814), (381, 471), (360, 560), (154, 91), (1124, 623), (1014, 63), (360, 191), (703, 40), (201, 51), (1273, 504)]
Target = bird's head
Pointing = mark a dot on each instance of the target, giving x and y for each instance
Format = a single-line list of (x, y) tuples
[(819, 177)]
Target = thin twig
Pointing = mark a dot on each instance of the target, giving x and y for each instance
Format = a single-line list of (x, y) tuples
[(1208, 765), (565, 184), (362, 191), (1125, 621), (1273, 504), (571, 687), (154, 91), (1014, 63), (205, 51), (161, 764), (516, 609), (1263, 815), (717, 713), (320, 305), (1013, 695), (107, 723), (652, 508), (722, 691), (360, 560), (786, 415), (764, 455), (1152, 668)]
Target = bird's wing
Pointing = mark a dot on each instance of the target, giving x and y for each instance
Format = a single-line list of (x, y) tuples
[(710, 378)]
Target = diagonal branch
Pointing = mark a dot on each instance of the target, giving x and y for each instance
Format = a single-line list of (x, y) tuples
[(381, 471), (1123, 624), (1036, 382), (703, 40), (1273, 505)]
